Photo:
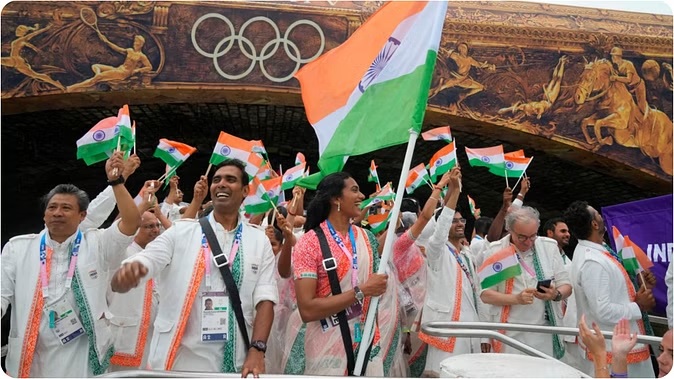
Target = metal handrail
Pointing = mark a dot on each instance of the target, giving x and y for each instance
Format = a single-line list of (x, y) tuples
[(190, 374), (658, 320), (447, 329)]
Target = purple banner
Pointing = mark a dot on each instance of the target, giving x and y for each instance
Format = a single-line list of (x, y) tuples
[(648, 223)]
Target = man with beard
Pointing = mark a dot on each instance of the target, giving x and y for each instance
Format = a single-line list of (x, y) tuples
[(603, 290)]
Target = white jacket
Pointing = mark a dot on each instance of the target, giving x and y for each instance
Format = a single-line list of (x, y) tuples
[(21, 270)]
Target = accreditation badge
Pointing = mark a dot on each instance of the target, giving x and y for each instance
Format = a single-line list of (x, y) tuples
[(64, 321), (214, 317)]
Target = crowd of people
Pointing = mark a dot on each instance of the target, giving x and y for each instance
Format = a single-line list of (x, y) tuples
[(204, 287)]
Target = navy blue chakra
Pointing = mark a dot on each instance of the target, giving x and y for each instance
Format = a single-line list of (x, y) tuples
[(99, 135), (379, 63), (225, 150), (497, 266)]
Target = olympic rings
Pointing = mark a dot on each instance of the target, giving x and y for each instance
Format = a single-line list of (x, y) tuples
[(248, 48)]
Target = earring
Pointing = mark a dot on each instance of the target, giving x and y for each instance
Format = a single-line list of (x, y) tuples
[(339, 207)]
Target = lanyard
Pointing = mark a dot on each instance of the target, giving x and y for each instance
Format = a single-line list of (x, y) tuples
[(463, 265), (44, 250), (526, 266), (206, 249), (353, 257)]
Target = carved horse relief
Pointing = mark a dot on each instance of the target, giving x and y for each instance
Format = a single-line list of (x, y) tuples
[(615, 109)]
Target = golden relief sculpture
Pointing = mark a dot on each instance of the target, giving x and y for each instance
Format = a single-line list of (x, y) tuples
[(460, 76), (24, 34), (616, 110)]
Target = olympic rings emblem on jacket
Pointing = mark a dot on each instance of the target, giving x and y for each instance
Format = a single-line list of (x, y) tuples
[(249, 50)]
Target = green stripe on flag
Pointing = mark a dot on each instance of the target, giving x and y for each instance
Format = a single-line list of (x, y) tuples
[(166, 157), (505, 274), (391, 107)]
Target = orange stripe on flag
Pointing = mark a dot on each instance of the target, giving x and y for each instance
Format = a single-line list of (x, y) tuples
[(514, 154), (235, 142), (327, 83), (642, 257)]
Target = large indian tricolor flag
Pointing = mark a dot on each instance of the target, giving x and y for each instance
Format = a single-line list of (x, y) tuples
[(500, 266), (173, 153), (378, 80)]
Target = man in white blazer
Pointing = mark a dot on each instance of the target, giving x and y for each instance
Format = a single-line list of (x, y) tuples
[(56, 282), (518, 300), (186, 336)]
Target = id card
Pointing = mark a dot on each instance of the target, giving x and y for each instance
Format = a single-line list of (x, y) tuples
[(214, 317), (355, 310), (64, 321)]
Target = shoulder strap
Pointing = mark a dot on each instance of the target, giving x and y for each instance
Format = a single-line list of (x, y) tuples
[(330, 265), (221, 262)]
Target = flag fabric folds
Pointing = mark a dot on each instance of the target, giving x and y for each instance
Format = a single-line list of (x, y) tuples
[(232, 147), (378, 79), (417, 177), (438, 134), (491, 157), (292, 176), (173, 153), (385, 194), (262, 195), (102, 140), (372, 176), (513, 167), (442, 161), (378, 222), (635, 260), (500, 266)]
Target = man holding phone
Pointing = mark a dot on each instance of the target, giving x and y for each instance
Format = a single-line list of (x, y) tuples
[(528, 298)]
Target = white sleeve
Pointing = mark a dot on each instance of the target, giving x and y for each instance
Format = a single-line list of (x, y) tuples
[(99, 209), (156, 255), (439, 238), (517, 203), (596, 284), (8, 268)]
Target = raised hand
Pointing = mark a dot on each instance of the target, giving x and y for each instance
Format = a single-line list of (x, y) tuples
[(128, 277), (623, 340)]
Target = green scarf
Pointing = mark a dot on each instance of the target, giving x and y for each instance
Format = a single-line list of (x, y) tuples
[(557, 345)]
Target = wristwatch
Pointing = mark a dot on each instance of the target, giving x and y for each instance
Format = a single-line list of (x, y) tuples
[(558, 297), (360, 296), (259, 346), (119, 180)]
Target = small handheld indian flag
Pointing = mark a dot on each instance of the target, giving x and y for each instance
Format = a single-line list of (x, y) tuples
[(513, 167), (299, 158), (500, 266), (473, 208), (232, 147), (372, 176), (417, 177), (378, 222), (258, 147), (491, 157), (99, 142), (173, 153), (438, 134), (385, 194), (258, 200), (292, 175), (442, 161)]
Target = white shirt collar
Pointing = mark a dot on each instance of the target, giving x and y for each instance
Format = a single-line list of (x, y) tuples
[(59, 245), (592, 245)]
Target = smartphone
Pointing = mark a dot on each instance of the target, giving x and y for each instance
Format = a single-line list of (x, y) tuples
[(543, 283)]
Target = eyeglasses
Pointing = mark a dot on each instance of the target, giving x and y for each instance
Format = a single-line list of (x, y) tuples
[(151, 226), (461, 220), (523, 238)]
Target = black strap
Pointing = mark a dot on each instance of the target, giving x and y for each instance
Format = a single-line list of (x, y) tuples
[(336, 290), (227, 277)]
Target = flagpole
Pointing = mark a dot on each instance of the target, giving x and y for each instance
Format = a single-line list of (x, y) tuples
[(385, 257), (208, 169), (505, 171), (523, 173), (166, 174), (134, 137)]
